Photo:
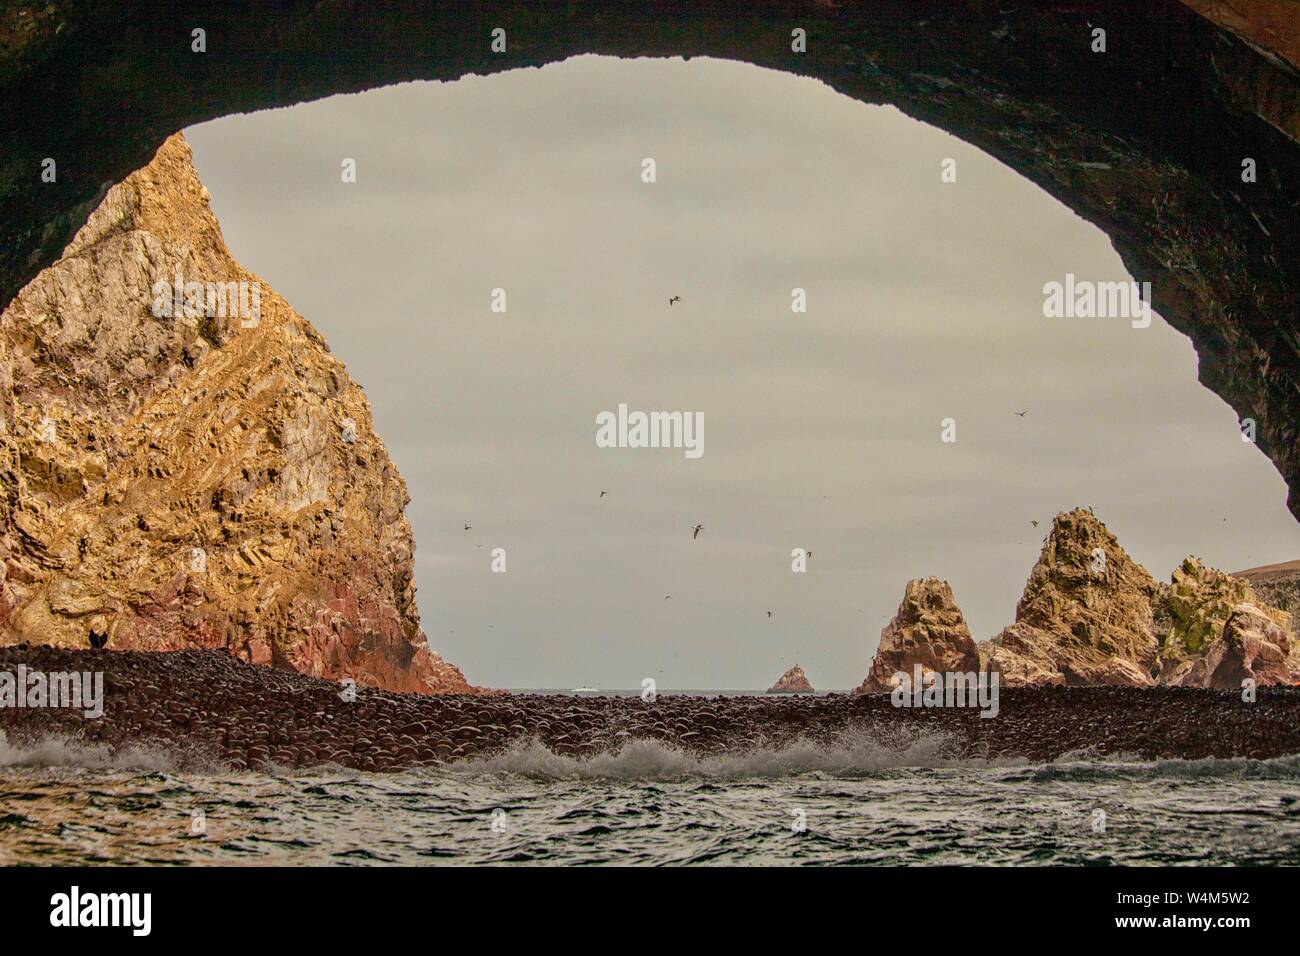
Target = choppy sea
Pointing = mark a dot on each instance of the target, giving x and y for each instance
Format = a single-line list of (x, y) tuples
[(858, 801)]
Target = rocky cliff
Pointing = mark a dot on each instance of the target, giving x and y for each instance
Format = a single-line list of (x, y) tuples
[(1085, 616), (1089, 614), (1146, 141), (1251, 644), (185, 464), (1194, 606), (793, 681), (928, 630)]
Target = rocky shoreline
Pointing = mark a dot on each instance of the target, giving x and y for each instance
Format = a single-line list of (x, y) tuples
[(212, 709)]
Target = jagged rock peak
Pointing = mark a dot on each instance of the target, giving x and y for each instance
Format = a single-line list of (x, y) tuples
[(928, 629), (1081, 560), (190, 467), (1085, 616)]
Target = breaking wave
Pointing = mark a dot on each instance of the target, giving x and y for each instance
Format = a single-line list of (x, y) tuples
[(864, 800), (853, 754), (57, 751)]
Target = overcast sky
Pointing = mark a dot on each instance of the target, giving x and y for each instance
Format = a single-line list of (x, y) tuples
[(822, 430)]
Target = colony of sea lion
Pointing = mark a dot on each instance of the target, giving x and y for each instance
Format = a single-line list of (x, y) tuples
[(214, 709)]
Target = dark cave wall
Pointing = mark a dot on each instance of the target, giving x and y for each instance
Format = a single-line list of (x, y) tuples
[(1146, 140)]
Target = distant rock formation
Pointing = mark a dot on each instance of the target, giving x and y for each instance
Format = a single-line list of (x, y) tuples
[(928, 629), (793, 681), (1278, 584), (1090, 615), (1085, 616), (201, 478)]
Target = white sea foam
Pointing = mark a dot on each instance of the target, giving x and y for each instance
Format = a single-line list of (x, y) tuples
[(854, 753), (57, 751)]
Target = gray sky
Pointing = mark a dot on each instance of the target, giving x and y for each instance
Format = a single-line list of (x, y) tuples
[(822, 430)]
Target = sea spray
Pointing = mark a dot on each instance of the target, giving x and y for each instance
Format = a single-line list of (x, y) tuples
[(853, 752)]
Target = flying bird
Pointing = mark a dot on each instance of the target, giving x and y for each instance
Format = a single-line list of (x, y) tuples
[(1024, 413), (603, 494), (676, 298), (769, 613), (697, 529), (667, 597), (466, 527), (1033, 522)]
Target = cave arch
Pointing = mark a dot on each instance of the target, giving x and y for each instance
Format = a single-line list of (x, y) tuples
[(1146, 140)]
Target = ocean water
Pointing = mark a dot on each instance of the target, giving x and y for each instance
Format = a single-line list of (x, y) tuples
[(857, 802)]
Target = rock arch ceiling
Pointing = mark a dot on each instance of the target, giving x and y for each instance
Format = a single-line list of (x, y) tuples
[(1145, 140)]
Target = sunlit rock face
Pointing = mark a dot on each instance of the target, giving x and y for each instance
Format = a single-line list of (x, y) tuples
[(1191, 614), (1252, 646), (1216, 630), (1091, 615), (1270, 26), (1198, 601), (929, 631), (193, 468), (1085, 616)]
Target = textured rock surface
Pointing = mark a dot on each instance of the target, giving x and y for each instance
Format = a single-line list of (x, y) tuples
[(195, 481), (1091, 615), (1146, 141), (1191, 614), (793, 681), (1278, 585), (928, 630), (1085, 616), (1251, 645), (1198, 600)]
